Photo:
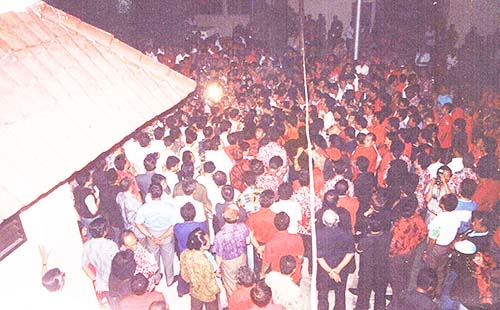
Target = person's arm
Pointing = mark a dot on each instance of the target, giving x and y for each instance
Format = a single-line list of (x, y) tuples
[(428, 194), (169, 232), (329, 270), (89, 272), (45, 256), (347, 258), (258, 248), (144, 230)]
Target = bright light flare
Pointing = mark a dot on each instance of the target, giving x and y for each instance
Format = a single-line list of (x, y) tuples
[(214, 92)]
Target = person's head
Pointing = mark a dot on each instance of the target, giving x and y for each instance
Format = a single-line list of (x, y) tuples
[(82, 177), (407, 206), (468, 188), (208, 167), (188, 186), (481, 221), (98, 227), (123, 265), (125, 184), (448, 202), (245, 276), (139, 284), (375, 224), (129, 240), (287, 264), (330, 218), (231, 214), (53, 280), (445, 171), (341, 187), (197, 240), (487, 167), (155, 190), (285, 191), (227, 193), (427, 280), (159, 305), (120, 162), (261, 294), (281, 221), (303, 177), (266, 198), (422, 161), (172, 162), (150, 162), (362, 163), (249, 178), (220, 178), (188, 212)]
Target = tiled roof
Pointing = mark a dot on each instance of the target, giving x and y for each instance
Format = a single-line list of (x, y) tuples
[(68, 92)]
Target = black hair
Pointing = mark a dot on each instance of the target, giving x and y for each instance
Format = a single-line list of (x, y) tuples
[(220, 178), (139, 284), (156, 190), (281, 221), (468, 188), (123, 264), (266, 198), (196, 239), (53, 280), (449, 202), (188, 212), (98, 227), (427, 279), (287, 264), (261, 294)]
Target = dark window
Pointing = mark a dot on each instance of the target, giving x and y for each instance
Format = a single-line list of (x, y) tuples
[(11, 235)]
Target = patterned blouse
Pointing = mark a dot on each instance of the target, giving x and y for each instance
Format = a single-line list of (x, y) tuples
[(146, 264), (302, 197), (197, 270), (330, 184), (457, 179), (424, 178), (407, 233), (270, 150)]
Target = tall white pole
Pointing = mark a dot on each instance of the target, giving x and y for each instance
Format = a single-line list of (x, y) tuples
[(357, 30)]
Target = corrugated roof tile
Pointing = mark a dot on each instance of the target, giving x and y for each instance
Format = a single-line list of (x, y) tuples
[(68, 92)]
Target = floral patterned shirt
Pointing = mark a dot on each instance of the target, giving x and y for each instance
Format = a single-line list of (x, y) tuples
[(330, 184), (230, 241), (270, 150), (302, 197), (457, 179), (424, 178), (407, 233)]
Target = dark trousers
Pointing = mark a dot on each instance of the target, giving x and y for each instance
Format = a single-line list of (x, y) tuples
[(197, 304), (372, 279), (307, 240), (400, 272), (339, 289), (437, 259), (182, 287)]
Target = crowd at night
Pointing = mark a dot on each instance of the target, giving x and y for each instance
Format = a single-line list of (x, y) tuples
[(400, 150)]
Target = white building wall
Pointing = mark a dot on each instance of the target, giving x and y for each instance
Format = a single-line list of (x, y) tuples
[(52, 223)]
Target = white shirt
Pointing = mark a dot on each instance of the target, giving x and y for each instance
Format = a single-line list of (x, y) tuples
[(221, 160), (294, 211), (456, 164), (180, 201), (213, 191), (433, 168), (285, 291), (444, 227)]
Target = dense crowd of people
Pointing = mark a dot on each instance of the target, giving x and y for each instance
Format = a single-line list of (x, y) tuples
[(405, 179)]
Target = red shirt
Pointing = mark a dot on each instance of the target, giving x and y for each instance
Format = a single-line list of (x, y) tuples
[(240, 299), (142, 302), (351, 204), (261, 223), (284, 243), (369, 153), (445, 128), (236, 174), (487, 194), (407, 233)]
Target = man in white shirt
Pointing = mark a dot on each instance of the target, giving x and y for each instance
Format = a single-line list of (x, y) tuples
[(285, 291), (442, 232), (290, 207)]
